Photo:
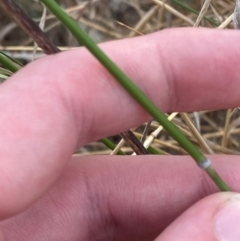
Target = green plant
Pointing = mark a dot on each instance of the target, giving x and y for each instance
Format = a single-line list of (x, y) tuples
[(135, 92)]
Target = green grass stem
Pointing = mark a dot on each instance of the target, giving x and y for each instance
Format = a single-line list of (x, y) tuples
[(132, 89), (8, 63), (111, 145), (154, 151), (195, 12)]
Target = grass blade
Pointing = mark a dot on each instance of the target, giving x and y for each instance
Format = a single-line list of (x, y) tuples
[(135, 92)]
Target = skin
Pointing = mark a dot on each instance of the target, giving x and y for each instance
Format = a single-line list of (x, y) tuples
[(61, 102)]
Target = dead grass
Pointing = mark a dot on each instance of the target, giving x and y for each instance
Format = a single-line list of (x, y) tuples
[(104, 20)]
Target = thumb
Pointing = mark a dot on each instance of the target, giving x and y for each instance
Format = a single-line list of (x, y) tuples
[(214, 218)]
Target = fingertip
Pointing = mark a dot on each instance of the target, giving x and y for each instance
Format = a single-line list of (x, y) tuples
[(214, 218), (227, 220)]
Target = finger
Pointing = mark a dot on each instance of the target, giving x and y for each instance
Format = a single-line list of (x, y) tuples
[(161, 65), (215, 218), (56, 104), (126, 198), (174, 78)]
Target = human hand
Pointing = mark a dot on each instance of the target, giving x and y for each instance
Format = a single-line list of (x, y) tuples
[(55, 105)]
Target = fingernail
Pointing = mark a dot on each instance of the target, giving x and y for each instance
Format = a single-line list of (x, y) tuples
[(227, 220)]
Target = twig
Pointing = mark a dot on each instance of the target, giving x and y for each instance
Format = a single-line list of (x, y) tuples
[(29, 26), (134, 143)]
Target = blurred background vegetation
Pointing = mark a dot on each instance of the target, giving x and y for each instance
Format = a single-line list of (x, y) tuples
[(105, 20), (102, 19)]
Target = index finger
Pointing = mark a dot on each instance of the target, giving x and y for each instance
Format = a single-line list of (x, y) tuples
[(56, 104)]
